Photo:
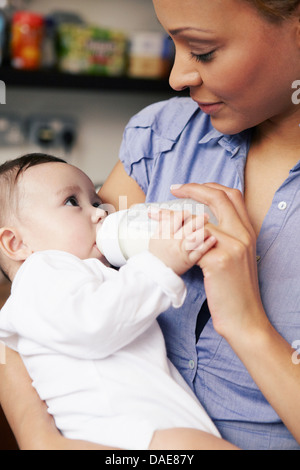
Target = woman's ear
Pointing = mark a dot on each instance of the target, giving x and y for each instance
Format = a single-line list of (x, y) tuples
[(12, 246)]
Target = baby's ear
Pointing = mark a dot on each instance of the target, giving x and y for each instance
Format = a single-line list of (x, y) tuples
[(11, 244)]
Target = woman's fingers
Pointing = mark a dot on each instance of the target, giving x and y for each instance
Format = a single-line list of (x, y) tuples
[(237, 199), (216, 199), (225, 203)]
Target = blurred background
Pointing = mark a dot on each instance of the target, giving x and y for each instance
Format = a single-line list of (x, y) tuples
[(96, 62)]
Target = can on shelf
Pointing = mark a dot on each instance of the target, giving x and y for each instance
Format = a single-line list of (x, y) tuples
[(27, 40)]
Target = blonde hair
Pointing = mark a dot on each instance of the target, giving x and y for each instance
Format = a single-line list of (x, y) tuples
[(276, 10)]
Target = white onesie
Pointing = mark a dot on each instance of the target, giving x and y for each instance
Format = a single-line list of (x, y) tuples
[(90, 341)]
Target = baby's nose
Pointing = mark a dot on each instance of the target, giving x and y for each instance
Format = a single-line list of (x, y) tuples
[(98, 215)]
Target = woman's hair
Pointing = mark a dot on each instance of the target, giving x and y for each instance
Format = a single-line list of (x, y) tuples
[(276, 10)]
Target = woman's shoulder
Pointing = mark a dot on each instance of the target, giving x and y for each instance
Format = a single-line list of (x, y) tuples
[(156, 130), (166, 118)]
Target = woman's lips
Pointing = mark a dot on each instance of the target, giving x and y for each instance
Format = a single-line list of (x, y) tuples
[(210, 108)]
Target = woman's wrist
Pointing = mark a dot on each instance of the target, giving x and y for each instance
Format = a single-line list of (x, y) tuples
[(254, 332)]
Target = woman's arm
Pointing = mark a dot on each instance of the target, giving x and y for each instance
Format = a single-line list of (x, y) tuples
[(25, 412), (27, 415), (231, 267), (119, 185)]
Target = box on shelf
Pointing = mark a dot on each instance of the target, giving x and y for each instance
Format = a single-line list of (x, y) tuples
[(91, 50), (151, 55)]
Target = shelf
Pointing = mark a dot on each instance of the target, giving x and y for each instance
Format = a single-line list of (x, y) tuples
[(52, 79)]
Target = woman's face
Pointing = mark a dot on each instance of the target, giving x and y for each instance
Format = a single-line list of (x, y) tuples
[(239, 67)]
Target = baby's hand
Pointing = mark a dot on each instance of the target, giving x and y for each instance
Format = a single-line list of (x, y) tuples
[(181, 239)]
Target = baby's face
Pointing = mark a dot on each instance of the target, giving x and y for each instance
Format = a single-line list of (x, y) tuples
[(59, 210)]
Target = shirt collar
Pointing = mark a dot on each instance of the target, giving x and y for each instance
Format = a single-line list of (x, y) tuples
[(236, 145), (232, 143), (296, 168)]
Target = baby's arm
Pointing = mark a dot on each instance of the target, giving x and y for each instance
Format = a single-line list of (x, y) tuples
[(181, 240), (86, 311)]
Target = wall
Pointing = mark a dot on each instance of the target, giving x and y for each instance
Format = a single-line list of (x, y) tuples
[(128, 15), (101, 115)]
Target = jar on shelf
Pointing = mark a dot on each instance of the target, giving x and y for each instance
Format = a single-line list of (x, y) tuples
[(150, 55), (27, 40)]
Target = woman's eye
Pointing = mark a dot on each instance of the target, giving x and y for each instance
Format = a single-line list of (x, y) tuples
[(72, 201), (203, 57)]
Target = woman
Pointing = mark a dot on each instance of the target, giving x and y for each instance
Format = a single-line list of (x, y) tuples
[(240, 59)]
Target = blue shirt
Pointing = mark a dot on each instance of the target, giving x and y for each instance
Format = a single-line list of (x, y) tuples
[(174, 142)]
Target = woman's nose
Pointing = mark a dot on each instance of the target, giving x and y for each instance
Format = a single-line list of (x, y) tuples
[(184, 74), (97, 215)]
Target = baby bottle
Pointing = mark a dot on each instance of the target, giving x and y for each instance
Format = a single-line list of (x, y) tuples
[(126, 233)]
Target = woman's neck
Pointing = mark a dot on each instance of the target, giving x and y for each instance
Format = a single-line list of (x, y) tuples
[(281, 137)]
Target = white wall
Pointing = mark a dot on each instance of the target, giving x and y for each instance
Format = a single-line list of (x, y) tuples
[(101, 119), (128, 15), (101, 115)]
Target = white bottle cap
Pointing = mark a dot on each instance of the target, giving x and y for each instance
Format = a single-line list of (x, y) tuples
[(108, 239)]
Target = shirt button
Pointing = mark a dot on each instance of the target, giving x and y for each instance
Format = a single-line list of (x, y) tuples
[(282, 206), (192, 364), (258, 258)]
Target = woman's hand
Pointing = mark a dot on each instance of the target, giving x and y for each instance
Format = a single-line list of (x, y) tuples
[(230, 268)]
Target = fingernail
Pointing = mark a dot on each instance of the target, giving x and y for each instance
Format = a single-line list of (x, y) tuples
[(176, 186)]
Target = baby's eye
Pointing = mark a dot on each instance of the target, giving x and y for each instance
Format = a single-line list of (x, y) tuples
[(97, 204), (72, 201)]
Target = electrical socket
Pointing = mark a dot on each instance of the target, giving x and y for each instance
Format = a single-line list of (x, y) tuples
[(55, 132), (12, 130)]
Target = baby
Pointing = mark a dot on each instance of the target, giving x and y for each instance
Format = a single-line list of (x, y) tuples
[(87, 333)]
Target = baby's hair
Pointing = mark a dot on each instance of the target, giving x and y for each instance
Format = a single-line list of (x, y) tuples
[(10, 173), (21, 164)]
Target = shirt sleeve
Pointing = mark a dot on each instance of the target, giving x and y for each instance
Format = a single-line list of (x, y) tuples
[(139, 146), (84, 316), (152, 132)]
